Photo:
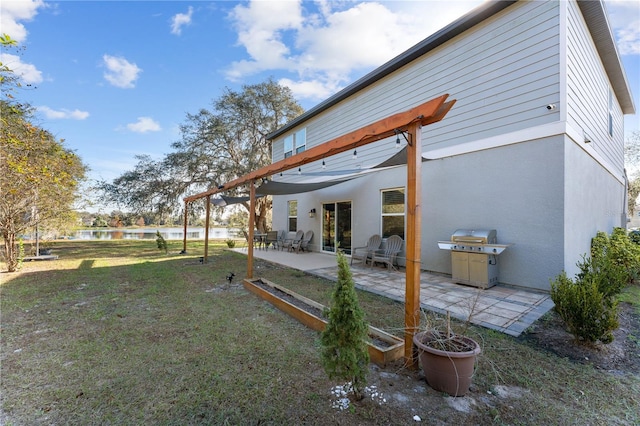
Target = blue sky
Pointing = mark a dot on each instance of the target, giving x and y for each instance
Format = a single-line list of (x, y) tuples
[(117, 78)]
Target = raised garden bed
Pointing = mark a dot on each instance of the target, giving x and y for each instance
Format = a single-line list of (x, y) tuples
[(383, 347)]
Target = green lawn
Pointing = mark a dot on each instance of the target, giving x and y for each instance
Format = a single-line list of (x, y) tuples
[(117, 332)]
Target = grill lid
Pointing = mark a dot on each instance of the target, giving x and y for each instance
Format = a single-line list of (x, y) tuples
[(478, 236)]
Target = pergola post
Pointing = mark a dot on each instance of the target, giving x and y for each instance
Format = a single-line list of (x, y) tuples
[(252, 221), (206, 230), (413, 242), (184, 228)]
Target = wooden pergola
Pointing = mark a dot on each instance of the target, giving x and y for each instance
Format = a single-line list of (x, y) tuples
[(411, 122)]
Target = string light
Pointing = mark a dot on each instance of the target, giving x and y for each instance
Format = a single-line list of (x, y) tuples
[(299, 171), (355, 154), (397, 141), (324, 166)]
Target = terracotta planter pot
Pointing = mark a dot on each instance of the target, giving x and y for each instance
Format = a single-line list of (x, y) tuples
[(447, 371)]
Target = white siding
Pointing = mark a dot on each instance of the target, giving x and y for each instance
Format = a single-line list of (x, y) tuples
[(588, 93), (502, 72)]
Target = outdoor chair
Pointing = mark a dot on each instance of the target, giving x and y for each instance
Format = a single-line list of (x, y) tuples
[(272, 239), (303, 244), (289, 242), (281, 239), (390, 253), (366, 252)]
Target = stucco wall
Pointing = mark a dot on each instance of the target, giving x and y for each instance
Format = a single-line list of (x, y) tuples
[(593, 202), (517, 190)]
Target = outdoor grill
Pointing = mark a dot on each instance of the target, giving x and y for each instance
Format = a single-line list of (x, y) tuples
[(474, 256)]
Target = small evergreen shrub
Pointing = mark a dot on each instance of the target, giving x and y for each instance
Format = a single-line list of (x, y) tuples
[(588, 313), (230, 243), (344, 341), (617, 249), (162, 243), (609, 277), (634, 236)]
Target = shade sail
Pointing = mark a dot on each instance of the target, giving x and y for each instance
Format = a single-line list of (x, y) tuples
[(282, 188), (226, 201)]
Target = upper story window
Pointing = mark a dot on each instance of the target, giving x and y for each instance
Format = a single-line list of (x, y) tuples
[(295, 143), (610, 113), (393, 212)]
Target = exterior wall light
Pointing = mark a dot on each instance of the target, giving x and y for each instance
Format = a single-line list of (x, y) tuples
[(312, 213)]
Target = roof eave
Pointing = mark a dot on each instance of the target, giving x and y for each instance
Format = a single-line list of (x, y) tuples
[(440, 37), (595, 15)]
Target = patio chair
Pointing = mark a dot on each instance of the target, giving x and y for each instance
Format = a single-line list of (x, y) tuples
[(272, 239), (289, 242), (367, 251), (390, 252), (282, 235), (303, 244)]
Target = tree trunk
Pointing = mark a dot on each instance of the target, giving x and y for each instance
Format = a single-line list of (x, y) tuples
[(10, 254)]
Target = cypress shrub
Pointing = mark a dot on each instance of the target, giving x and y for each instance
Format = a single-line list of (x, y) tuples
[(344, 341)]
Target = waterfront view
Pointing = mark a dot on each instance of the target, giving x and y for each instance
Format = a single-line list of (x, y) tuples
[(193, 233)]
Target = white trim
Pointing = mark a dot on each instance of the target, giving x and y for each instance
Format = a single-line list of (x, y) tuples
[(557, 128)]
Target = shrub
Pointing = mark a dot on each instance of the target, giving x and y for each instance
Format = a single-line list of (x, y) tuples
[(162, 243), (344, 341), (617, 249), (634, 236), (590, 315), (609, 277), (230, 243)]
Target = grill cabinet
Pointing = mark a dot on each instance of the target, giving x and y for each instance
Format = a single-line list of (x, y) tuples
[(474, 256)]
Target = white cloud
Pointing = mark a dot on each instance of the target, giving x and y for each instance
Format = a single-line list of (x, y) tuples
[(63, 113), (335, 43), (180, 20), (120, 72), (625, 20), (28, 73), (144, 125), (15, 11)]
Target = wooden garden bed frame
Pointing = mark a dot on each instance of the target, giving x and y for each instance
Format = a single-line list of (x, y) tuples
[(409, 121)]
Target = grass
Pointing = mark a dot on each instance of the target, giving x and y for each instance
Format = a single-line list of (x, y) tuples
[(117, 332)]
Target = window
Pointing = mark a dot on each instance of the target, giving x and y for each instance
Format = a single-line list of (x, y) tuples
[(393, 213), (295, 143), (300, 140), (293, 216), (610, 112)]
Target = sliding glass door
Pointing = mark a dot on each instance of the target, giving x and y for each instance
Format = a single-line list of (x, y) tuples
[(336, 226)]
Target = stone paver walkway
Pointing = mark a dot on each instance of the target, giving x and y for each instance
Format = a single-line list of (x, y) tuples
[(510, 310)]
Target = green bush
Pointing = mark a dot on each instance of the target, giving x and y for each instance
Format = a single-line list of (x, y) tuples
[(617, 249), (609, 277), (634, 236), (588, 313), (161, 242)]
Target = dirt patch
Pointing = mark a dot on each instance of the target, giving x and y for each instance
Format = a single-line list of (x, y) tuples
[(620, 356)]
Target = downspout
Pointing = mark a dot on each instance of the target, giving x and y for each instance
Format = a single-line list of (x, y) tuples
[(625, 204)]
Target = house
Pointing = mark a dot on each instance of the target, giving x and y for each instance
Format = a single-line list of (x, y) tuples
[(532, 148)]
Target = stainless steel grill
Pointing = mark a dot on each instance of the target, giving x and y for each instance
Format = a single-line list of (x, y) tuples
[(474, 256)]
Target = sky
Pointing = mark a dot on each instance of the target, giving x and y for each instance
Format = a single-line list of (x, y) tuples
[(116, 79)]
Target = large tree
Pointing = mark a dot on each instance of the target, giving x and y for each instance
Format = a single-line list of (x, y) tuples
[(217, 146), (38, 177)]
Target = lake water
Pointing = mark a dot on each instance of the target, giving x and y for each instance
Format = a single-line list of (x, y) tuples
[(150, 234)]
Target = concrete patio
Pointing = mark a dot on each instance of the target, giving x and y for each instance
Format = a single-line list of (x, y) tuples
[(503, 308)]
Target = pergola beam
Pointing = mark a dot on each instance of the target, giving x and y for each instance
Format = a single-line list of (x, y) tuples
[(426, 113), (410, 121)]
